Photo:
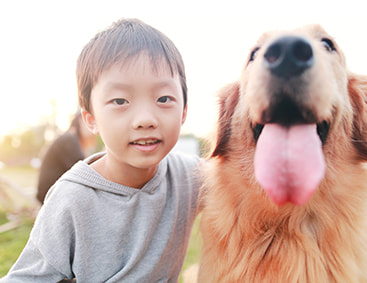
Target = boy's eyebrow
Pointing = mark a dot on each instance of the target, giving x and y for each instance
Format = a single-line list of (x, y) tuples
[(117, 85), (112, 86), (125, 86), (165, 83)]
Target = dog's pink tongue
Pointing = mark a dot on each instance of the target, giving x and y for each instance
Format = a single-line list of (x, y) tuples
[(289, 163)]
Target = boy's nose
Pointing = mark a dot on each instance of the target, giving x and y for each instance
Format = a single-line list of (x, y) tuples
[(145, 119)]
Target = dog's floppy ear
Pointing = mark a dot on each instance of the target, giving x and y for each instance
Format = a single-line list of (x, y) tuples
[(357, 87), (228, 99)]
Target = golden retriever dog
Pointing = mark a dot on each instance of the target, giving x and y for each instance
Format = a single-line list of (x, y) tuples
[(285, 189)]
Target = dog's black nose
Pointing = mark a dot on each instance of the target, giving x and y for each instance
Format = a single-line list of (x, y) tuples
[(289, 56)]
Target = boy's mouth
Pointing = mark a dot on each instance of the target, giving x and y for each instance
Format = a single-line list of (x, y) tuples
[(145, 142)]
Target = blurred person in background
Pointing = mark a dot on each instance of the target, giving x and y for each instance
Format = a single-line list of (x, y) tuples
[(73, 145)]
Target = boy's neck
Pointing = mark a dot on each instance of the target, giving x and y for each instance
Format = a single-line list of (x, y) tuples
[(124, 175)]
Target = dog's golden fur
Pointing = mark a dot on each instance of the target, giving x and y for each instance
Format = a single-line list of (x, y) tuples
[(246, 237)]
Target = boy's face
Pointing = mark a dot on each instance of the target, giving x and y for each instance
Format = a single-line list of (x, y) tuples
[(137, 111)]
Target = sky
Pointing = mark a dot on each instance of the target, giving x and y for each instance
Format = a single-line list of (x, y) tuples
[(41, 40)]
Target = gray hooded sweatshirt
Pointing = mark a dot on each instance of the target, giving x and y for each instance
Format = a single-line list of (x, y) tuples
[(95, 230)]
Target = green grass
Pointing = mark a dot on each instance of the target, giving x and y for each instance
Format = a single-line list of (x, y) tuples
[(3, 218), (12, 243), (194, 249), (193, 252)]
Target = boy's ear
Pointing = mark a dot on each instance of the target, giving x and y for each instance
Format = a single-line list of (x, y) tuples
[(184, 114), (89, 121)]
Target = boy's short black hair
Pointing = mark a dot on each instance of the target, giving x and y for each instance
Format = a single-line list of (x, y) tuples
[(122, 41)]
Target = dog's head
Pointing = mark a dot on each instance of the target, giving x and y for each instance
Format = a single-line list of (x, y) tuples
[(295, 111)]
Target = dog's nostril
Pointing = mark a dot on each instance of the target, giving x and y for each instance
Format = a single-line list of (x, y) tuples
[(289, 56), (302, 51), (273, 53)]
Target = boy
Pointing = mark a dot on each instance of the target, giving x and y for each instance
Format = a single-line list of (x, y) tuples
[(125, 215)]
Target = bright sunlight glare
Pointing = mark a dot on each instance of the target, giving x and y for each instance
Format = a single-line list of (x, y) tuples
[(42, 39)]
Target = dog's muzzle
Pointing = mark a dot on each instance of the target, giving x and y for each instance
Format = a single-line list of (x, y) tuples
[(287, 58)]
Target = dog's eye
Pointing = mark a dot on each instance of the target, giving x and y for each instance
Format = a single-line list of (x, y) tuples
[(329, 44), (253, 54)]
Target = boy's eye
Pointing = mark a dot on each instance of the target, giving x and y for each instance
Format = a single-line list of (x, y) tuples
[(165, 99), (119, 101)]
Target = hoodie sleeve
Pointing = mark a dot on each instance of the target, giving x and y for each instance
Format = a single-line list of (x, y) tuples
[(32, 266)]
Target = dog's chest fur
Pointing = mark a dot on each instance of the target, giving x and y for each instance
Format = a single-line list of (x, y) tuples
[(287, 244)]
